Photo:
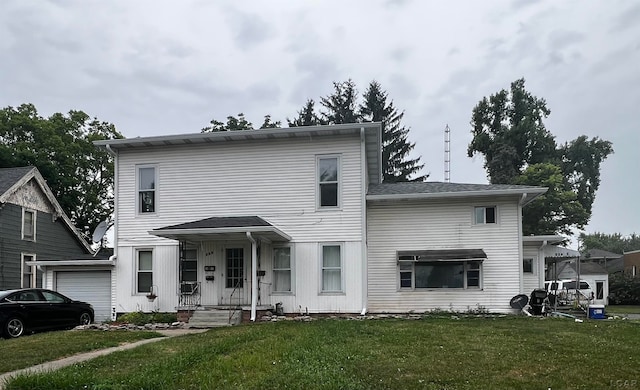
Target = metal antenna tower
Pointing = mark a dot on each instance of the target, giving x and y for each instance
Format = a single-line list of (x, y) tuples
[(447, 154)]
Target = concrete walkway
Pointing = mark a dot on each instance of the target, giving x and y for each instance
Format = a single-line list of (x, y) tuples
[(81, 357)]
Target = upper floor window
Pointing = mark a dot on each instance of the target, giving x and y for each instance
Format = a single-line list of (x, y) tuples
[(144, 269), (282, 270), (484, 215), (147, 189), (28, 225), (328, 181)]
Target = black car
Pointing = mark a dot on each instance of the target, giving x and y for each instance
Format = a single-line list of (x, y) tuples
[(34, 309)]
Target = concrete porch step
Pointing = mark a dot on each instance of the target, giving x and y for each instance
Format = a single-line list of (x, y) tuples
[(211, 318)]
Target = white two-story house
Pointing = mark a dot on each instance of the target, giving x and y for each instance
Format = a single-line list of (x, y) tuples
[(300, 216)]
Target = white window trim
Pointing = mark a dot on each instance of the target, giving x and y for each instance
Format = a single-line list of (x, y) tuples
[(34, 272), (136, 267), (413, 287), (155, 190), (485, 206), (35, 216), (320, 267), (317, 182), (291, 270)]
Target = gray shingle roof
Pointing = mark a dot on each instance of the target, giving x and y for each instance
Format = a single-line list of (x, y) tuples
[(588, 268), (435, 187), (9, 177), (220, 222), (601, 254)]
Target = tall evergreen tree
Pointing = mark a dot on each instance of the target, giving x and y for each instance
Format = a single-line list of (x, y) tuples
[(342, 105), (307, 116), (395, 146)]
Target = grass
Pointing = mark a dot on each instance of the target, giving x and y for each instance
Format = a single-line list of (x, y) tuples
[(623, 309), (432, 353), (38, 348)]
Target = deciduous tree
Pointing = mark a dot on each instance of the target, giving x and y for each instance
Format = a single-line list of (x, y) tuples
[(61, 147)]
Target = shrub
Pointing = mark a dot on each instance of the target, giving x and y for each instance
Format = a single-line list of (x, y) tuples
[(624, 289), (140, 318)]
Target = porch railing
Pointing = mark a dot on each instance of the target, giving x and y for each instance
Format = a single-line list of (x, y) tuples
[(234, 308), (189, 294)]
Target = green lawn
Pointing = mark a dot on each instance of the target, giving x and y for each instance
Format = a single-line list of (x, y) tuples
[(431, 353), (622, 309), (31, 350)]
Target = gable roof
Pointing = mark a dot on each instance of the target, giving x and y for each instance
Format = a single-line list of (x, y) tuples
[(230, 227), (370, 131), (424, 190), (12, 179), (600, 254), (10, 176), (587, 268)]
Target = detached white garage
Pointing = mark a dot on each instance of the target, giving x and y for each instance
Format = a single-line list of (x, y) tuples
[(89, 286)]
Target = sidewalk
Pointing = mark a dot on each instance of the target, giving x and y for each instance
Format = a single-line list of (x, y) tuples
[(64, 362)]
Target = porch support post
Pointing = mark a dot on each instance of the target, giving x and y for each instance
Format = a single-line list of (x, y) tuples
[(254, 275)]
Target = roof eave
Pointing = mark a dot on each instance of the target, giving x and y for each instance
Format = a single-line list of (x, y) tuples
[(172, 233), (534, 192)]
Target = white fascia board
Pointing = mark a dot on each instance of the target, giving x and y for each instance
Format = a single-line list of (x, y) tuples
[(237, 135), (533, 192), (71, 262), (227, 230)]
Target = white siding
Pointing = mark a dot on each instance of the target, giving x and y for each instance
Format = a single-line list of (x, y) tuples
[(533, 280), (423, 225), (274, 179)]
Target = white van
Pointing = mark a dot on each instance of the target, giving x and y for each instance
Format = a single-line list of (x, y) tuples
[(565, 291)]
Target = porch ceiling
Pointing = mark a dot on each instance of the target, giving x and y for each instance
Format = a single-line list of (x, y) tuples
[(223, 228)]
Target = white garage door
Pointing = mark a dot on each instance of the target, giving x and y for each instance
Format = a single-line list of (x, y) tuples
[(88, 286)]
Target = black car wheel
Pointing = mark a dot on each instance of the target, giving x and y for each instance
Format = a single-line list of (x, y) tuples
[(85, 318), (14, 327)]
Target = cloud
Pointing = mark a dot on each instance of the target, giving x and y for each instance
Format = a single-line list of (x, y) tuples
[(250, 30)]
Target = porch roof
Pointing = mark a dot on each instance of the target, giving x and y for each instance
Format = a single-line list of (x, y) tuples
[(445, 255), (218, 228)]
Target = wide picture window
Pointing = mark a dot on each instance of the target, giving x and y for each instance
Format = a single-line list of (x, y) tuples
[(438, 271)]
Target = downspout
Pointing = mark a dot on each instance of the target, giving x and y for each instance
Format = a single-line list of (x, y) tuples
[(254, 275), (363, 221), (114, 271), (541, 264), (520, 238)]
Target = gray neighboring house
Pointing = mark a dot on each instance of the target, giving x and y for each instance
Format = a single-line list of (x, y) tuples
[(612, 262), (33, 227)]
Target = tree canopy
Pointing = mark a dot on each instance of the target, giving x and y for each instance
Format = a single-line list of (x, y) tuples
[(616, 242), (61, 147), (508, 130), (343, 106)]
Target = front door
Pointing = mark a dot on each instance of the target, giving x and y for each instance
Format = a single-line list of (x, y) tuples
[(235, 288), (600, 293)]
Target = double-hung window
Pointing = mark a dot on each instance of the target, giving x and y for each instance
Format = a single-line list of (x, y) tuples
[(331, 268), (485, 215), (28, 225), (147, 197), (282, 270), (28, 275), (144, 270), (328, 178), (427, 271), (527, 266)]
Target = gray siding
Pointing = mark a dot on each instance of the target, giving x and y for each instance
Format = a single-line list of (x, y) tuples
[(53, 242)]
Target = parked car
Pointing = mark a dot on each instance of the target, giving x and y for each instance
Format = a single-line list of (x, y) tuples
[(33, 309), (566, 291)]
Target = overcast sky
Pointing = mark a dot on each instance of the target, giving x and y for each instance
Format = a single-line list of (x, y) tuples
[(169, 67)]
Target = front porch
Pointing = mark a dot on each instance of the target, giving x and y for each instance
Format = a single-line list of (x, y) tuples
[(221, 266)]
